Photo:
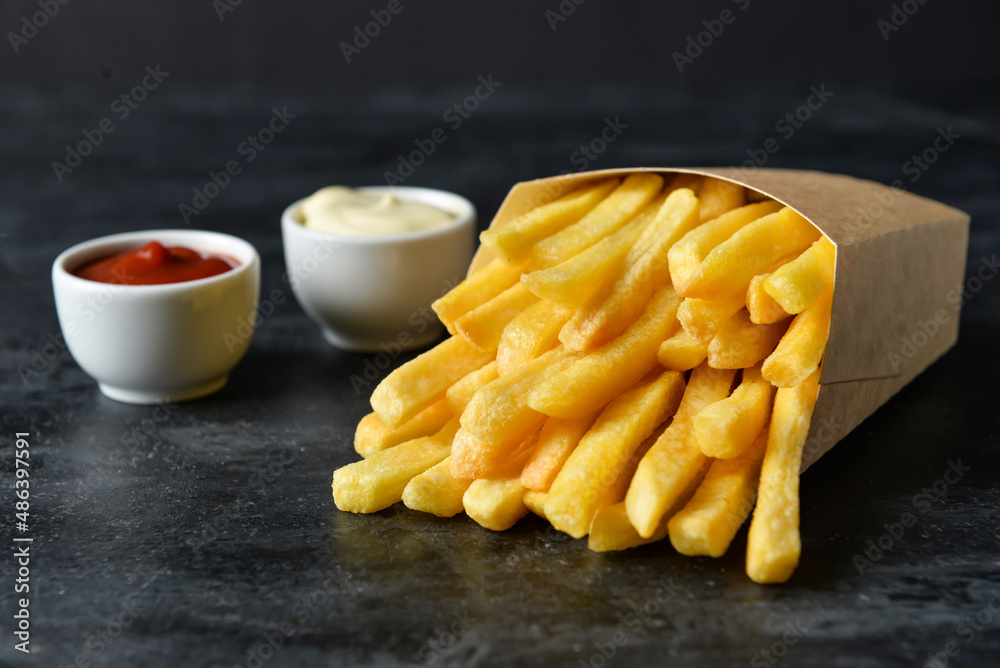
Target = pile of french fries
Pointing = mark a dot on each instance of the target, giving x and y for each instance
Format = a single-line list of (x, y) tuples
[(640, 359)]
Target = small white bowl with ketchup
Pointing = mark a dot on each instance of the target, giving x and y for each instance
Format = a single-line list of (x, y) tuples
[(159, 315)]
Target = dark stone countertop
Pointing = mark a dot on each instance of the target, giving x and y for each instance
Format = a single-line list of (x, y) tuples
[(196, 534)]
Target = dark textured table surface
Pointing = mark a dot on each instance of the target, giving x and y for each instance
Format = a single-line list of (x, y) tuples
[(204, 533)]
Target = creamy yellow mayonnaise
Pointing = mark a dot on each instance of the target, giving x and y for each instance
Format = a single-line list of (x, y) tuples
[(341, 210)]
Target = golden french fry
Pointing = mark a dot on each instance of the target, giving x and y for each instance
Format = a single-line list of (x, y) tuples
[(615, 493), (535, 501), (709, 522), (718, 196), (611, 531), (495, 503), (482, 286), (513, 241), (435, 491), (534, 331), (598, 377), (574, 280), (774, 544), (692, 182), (472, 458), (729, 426), (682, 352), (802, 281), (761, 306), (483, 325), (606, 317), (687, 254), (618, 208), (458, 396), (703, 318), (499, 418), (726, 271), (424, 380), (604, 451), (675, 463), (374, 435), (740, 343), (375, 483), (556, 441), (800, 350)]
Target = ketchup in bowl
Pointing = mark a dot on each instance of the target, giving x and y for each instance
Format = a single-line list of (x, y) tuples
[(155, 264)]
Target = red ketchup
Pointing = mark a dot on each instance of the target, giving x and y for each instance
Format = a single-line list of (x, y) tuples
[(155, 264)]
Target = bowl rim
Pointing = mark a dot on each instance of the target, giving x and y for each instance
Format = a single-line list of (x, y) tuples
[(97, 247), (464, 211)]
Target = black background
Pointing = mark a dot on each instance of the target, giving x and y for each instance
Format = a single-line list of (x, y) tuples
[(294, 46)]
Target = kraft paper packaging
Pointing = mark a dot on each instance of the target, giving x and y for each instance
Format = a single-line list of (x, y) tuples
[(897, 288)]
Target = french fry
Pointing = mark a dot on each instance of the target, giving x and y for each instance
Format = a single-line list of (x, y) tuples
[(497, 503), (727, 269), (675, 463), (703, 318), (513, 242), (687, 254), (374, 435), (424, 380), (612, 531), (718, 196), (682, 352), (535, 501), (728, 427), (534, 331), (618, 208), (692, 182), (375, 483), (556, 441), (472, 457), (499, 418), (605, 450), (573, 281), (774, 544), (458, 396), (800, 350), (435, 491), (802, 281), (740, 343), (606, 317), (707, 524), (598, 377), (483, 325), (761, 306), (482, 286), (615, 493)]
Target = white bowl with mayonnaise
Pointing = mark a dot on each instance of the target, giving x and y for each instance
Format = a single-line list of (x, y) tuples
[(366, 263)]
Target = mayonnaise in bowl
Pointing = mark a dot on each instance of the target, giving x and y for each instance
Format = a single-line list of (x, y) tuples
[(342, 210), (366, 264)]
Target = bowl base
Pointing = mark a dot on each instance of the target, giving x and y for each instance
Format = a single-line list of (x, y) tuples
[(358, 345), (130, 396)]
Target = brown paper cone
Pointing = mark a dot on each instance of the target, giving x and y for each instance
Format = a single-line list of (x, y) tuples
[(897, 292)]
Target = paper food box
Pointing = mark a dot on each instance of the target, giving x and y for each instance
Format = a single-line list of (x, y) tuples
[(900, 262)]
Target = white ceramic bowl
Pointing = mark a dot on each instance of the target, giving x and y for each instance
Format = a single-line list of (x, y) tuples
[(373, 293), (146, 344)]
